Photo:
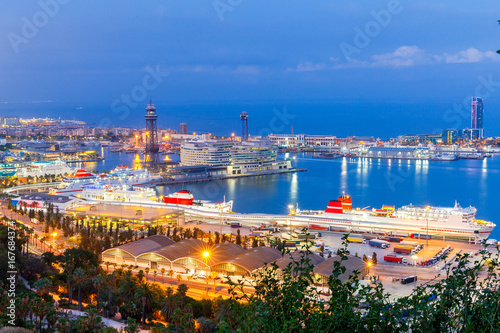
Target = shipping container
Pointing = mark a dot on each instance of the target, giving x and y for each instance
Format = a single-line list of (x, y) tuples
[(397, 259), (421, 236), (402, 250), (369, 236), (409, 243), (356, 239)]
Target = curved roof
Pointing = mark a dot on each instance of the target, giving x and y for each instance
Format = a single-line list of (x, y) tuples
[(283, 262), (351, 264), (221, 252), (254, 258), (191, 247), (141, 246)]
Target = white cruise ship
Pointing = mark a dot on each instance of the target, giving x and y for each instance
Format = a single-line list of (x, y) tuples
[(142, 196), (43, 168), (339, 215), (120, 176)]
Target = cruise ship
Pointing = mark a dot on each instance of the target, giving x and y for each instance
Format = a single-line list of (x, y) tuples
[(456, 222), (120, 176), (143, 196), (35, 169)]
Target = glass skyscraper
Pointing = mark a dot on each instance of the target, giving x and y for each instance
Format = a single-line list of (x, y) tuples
[(477, 115)]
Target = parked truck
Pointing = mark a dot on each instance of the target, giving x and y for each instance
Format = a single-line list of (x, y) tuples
[(356, 239), (409, 279), (397, 259), (235, 225), (392, 239), (409, 243), (271, 229), (403, 250), (378, 243), (421, 236), (369, 236)]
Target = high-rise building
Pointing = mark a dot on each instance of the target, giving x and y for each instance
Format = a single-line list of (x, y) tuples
[(476, 121), (244, 126), (450, 136), (184, 128)]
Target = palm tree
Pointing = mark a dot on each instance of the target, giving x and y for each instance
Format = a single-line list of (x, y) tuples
[(147, 272), (69, 267), (179, 278), (189, 277), (154, 276), (163, 270), (182, 290), (80, 277), (171, 273), (98, 281)]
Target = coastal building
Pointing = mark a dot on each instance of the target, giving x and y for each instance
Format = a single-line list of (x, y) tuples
[(40, 201), (393, 152), (206, 152), (449, 136), (238, 158), (420, 138), (303, 140), (183, 128), (472, 134), (477, 116)]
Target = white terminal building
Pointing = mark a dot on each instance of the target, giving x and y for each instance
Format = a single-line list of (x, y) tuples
[(240, 158)]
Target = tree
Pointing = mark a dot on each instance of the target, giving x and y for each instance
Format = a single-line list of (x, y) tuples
[(132, 326), (154, 276), (171, 273), (80, 276), (238, 237), (163, 271), (98, 282), (374, 258), (365, 258)]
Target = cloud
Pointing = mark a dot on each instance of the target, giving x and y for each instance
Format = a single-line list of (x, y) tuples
[(470, 55), (403, 56)]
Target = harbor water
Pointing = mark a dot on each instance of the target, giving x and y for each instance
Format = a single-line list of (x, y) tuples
[(370, 182)]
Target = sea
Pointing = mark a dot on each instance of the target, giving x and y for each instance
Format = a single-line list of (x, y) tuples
[(371, 183)]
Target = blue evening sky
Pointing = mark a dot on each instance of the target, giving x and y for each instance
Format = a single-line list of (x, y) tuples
[(332, 67)]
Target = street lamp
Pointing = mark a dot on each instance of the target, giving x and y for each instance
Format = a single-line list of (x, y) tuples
[(414, 257), (220, 219), (427, 236), (290, 208), (136, 140), (54, 234), (206, 254)]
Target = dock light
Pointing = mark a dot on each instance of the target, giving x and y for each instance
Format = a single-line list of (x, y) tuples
[(206, 254), (54, 234), (369, 264)]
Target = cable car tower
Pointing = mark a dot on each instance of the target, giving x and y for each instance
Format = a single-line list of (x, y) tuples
[(151, 152)]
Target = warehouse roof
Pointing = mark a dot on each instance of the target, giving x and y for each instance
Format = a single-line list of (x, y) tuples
[(254, 258), (191, 247), (140, 246), (221, 252), (314, 259), (351, 264)]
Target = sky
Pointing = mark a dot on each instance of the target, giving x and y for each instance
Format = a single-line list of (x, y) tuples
[(378, 68)]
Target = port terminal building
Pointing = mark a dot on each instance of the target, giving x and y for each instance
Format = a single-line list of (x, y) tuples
[(194, 256)]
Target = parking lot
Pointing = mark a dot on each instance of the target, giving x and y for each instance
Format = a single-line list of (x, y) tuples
[(389, 273)]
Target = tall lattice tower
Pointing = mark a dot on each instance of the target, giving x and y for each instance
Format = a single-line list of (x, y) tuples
[(244, 126), (152, 148)]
